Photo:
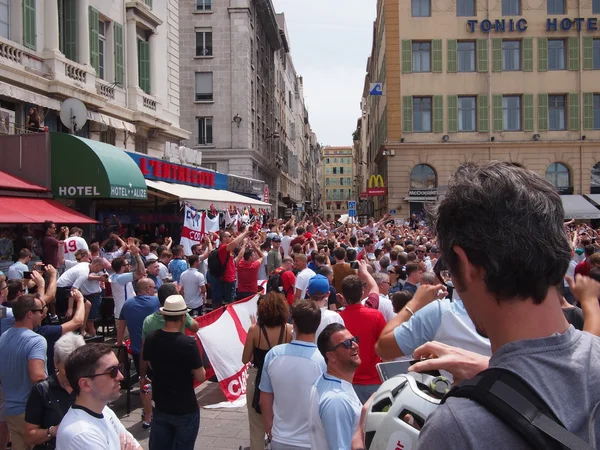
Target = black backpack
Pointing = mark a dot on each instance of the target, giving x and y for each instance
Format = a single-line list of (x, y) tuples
[(511, 399), (274, 283), (215, 267)]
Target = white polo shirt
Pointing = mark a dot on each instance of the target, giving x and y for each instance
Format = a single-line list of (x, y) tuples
[(192, 280), (302, 280), (327, 317), (77, 277), (122, 288)]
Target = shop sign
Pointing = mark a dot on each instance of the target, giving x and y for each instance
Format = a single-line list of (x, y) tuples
[(376, 187), (266, 194), (423, 193), (243, 185), (80, 191), (157, 169), (127, 192), (520, 25), (181, 154)]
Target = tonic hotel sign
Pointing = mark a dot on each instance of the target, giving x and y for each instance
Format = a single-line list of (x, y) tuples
[(520, 25)]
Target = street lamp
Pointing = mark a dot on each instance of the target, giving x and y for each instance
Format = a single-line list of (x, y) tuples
[(237, 119)]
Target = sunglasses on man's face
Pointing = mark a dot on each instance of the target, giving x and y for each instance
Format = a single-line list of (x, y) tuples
[(113, 372), (347, 343)]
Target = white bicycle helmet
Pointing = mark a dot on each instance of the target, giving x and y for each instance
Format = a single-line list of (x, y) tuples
[(415, 394)]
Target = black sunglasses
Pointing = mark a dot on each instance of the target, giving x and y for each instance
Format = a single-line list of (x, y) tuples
[(112, 371), (347, 343)]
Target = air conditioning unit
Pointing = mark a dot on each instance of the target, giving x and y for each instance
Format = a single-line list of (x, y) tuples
[(7, 121)]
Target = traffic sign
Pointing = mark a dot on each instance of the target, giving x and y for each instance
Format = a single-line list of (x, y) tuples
[(351, 205), (351, 213), (376, 89), (392, 212)]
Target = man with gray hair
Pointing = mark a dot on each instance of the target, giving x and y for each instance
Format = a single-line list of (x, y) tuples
[(428, 278), (385, 304)]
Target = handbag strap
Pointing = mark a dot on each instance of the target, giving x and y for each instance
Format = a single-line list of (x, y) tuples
[(43, 388)]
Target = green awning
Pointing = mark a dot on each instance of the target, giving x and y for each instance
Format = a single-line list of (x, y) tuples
[(82, 168)]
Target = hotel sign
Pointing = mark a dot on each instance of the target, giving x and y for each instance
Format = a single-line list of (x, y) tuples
[(520, 25)]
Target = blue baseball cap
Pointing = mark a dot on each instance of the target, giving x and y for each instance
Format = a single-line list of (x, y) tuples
[(318, 285)]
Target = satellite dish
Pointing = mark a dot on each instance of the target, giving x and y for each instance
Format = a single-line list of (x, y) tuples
[(73, 114)]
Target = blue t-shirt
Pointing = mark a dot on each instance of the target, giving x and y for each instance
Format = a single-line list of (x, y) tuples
[(51, 333), (177, 267), (134, 311), (17, 347), (157, 281), (8, 322)]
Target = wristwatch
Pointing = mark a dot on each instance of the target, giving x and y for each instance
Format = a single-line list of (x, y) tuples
[(48, 432)]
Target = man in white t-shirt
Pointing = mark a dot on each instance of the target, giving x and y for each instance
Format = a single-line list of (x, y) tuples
[(385, 304), (93, 373), (193, 286), (121, 282), (303, 277), (73, 243), (288, 236), (318, 290)]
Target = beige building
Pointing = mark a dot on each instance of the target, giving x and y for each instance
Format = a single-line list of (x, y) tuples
[(338, 180), (467, 80)]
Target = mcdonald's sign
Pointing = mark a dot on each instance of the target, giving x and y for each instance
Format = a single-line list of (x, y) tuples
[(376, 187)]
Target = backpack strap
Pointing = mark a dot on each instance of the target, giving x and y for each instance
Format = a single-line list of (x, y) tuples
[(511, 399), (43, 388)]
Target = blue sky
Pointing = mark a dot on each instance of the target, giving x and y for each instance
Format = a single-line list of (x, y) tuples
[(330, 41)]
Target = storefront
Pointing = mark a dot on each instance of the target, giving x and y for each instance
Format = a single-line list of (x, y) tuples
[(419, 198)]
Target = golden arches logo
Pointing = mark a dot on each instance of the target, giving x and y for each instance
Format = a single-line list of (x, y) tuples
[(376, 181)]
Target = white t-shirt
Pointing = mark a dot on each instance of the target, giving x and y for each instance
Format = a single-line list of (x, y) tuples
[(192, 280), (77, 277), (285, 244), (327, 317), (71, 246), (122, 288), (82, 429), (302, 280), (163, 271), (385, 307)]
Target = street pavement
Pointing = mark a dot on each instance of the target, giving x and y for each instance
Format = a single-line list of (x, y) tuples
[(220, 429)]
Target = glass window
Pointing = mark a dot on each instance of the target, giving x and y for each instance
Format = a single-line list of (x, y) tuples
[(466, 56), (341, 170), (422, 114), (335, 170), (596, 111), (557, 56), (335, 160), (4, 18), (421, 8), (465, 8), (204, 43), (204, 86), (328, 170), (556, 7), (326, 160), (511, 7), (595, 179), (511, 105), (102, 49), (559, 175), (205, 130), (556, 112), (423, 177), (466, 114), (596, 50), (596, 7), (421, 57), (511, 55), (203, 5)]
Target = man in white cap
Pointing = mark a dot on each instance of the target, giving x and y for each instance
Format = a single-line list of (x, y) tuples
[(176, 363), (318, 290)]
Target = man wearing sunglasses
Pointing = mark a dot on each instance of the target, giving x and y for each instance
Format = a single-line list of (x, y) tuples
[(334, 406), (94, 374)]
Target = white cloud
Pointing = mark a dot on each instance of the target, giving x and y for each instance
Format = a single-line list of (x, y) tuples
[(330, 41)]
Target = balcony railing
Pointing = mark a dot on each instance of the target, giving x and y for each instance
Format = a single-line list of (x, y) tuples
[(149, 103), (10, 52), (75, 73), (106, 90)]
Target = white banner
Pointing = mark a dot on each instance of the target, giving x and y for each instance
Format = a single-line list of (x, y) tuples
[(192, 231)]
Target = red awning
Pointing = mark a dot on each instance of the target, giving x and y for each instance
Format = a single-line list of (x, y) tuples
[(8, 181), (36, 210)]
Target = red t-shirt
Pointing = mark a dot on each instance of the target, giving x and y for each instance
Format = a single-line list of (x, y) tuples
[(229, 272), (297, 240), (50, 250), (583, 268), (367, 324), (288, 280), (248, 276)]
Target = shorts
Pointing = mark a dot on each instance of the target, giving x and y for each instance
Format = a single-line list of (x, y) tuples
[(96, 301), (62, 300), (2, 403)]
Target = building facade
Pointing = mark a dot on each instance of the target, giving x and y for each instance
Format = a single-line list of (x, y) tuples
[(109, 55), (242, 98), (338, 180), (467, 80)]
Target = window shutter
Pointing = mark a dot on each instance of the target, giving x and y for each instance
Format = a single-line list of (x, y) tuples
[(528, 123), (144, 66), (574, 112), (527, 54), (497, 55), (436, 55), (497, 113), (406, 56), (407, 113), (483, 113), (452, 113), (94, 39), (452, 56), (148, 2), (119, 54), (482, 55), (588, 53), (542, 54), (542, 112), (29, 29), (588, 111), (438, 114), (67, 28), (573, 44)]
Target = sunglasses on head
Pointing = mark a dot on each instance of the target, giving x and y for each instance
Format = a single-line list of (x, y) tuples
[(347, 343), (113, 372)]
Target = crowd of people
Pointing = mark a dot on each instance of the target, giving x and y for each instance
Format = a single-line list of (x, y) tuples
[(495, 279)]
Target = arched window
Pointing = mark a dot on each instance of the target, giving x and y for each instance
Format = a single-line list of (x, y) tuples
[(423, 177), (560, 176), (595, 179)]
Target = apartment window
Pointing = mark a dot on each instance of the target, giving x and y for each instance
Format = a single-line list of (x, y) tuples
[(4, 18), (144, 65), (421, 8), (335, 160), (203, 5), (465, 8), (204, 45), (596, 111), (327, 170), (556, 112), (341, 170), (596, 6), (466, 114), (335, 171), (148, 3), (466, 56), (422, 114), (326, 181), (204, 86), (67, 28), (101, 48), (205, 130), (511, 55), (326, 160), (341, 181), (511, 108), (511, 7), (557, 55), (559, 176), (109, 136), (421, 57), (556, 7), (210, 166), (141, 144), (596, 50)]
